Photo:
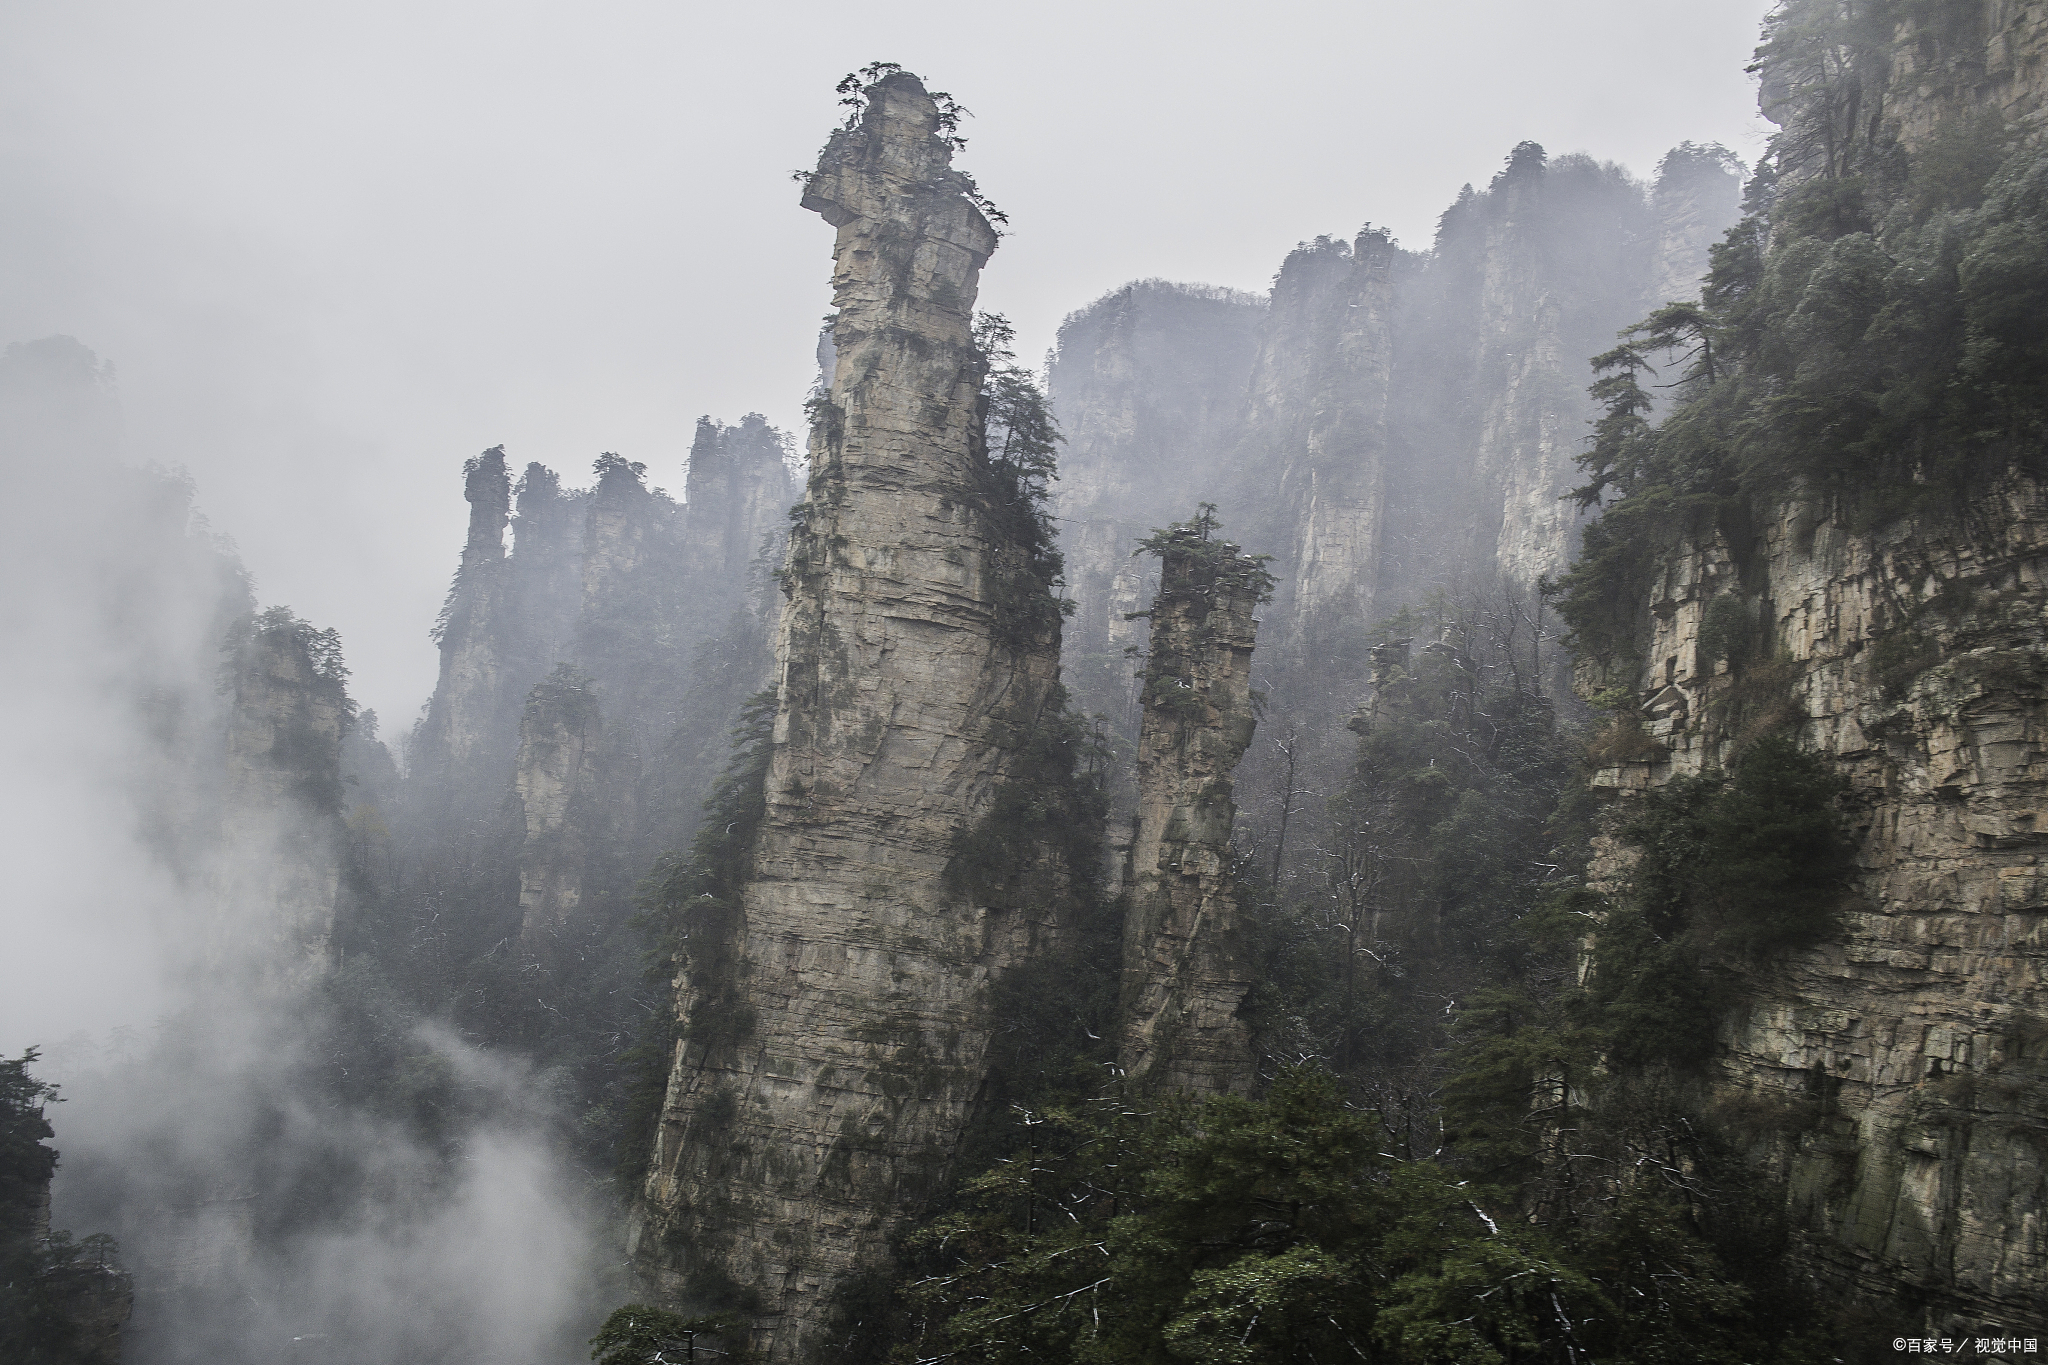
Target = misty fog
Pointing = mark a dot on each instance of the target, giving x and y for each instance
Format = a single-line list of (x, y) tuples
[(271, 275)]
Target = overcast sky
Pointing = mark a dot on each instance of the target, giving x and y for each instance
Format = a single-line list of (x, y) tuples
[(335, 248)]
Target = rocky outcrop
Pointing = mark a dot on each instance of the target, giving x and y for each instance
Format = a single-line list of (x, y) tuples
[(471, 722), (1910, 76), (281, 814), (1696, 195), (1984, 55), (656, 609), (1389, 423), (906, 660), (1185, 973), (567, 784), (1316, 424), (1894, 1077), (1149, 383)]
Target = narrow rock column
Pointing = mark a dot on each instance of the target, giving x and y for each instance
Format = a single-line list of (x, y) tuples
[(1183, 974), (566, 805), (787, 1159)]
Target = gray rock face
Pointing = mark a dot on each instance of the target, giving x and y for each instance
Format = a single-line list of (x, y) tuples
[(1896, 1077), (1184, 975), (785, 1161), (568, 786), (281, 814), (1150, 383), (654, 605), (1316, 425)]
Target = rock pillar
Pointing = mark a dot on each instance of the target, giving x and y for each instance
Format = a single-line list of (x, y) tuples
[(1183, 973), (787, 1159)]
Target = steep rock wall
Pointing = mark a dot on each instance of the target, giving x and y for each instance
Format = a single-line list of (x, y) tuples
[(281, 831), (786, 1160), (1895, 1076), (1184, 972), (1316, 427), (567, 784), (1149, 384), (1388, 424), (657, 606)]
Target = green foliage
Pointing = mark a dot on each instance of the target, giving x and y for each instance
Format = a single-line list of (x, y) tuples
[(1197, 570), (1753, 863), (41, 1272), (1449, 837), (1728, 630), (1884, 350), (1018, 462), (26, 1163), (1039, 841), (1274, 1230), (691, 913), (639, 1335)]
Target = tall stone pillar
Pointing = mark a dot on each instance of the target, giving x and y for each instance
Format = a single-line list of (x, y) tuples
[(829, 1106)]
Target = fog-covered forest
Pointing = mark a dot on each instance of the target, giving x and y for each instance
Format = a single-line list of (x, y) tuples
[(1477, 801)]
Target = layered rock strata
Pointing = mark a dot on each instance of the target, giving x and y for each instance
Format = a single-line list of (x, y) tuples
[(1897, 1076), (1184, 972), (785, 1160)]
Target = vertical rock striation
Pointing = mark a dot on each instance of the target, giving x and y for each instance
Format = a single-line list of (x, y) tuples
[(1184, 974), (281, 813), (906, 661), (656, 608), (566, 785), (1149, 382), (1316, 430), (1893, 1077), (471, 725)]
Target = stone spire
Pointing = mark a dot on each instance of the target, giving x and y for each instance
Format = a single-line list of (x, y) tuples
[(1183, 972), (828, 1112)]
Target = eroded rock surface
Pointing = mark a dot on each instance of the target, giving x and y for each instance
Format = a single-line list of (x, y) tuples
[(281, 834), (1184, 972), (1897, 1076), (786, 1159)]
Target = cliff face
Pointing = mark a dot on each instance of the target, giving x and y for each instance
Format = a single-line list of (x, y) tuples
[(1184, 974), (1391, 422), (656, 607), (281, 815), (1893, 1075), (1316, 426), (1150, 384), (1903, 1065), (787, 1158), (565, 785)]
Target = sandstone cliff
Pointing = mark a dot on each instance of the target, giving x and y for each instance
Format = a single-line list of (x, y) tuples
[(1185, 973), (281, 830), (910, 653), (657, 606), (1901, 1069), (1893, 1075), (1388, 424)]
